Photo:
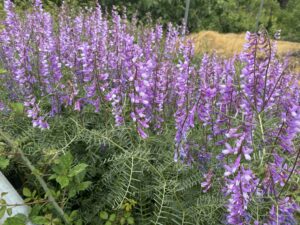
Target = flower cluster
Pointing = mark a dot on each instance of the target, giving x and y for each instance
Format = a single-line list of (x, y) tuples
[(240, 190)]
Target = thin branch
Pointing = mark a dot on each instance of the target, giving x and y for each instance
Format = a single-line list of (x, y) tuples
[(41, 181), (186, 14)]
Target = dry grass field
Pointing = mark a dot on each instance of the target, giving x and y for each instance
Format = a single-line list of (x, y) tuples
[(230, 44)]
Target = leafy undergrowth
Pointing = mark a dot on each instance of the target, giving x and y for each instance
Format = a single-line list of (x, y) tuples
[(98, 173)]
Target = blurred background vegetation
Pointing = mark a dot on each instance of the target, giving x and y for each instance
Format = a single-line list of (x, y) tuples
[(225, 16)]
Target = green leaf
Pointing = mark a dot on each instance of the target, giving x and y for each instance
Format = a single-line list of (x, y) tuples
[(78, 222), (26, 200), (63, 181), (122, 221), (73, 214), (130, 220), (103, 215), (108, 223), (17, 107), (57, 170), (84, 185), (72, 193), (66, 160), (3, 194), (64, 164), (36, 172), (2, 71), (57, 194), (112, 217), (127, 207), (26, 192), (35, 210), (127, 214), (39, 220), (53, 176), (9, 211), (2, 211), (3, 163), (18, 219), (78, 169)]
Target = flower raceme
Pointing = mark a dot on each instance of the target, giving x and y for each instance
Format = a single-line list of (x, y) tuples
[(242, 112)]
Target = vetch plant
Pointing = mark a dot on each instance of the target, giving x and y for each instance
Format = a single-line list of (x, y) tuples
[(236, 120)]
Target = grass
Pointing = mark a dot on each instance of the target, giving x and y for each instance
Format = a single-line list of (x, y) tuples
[(231, 44)]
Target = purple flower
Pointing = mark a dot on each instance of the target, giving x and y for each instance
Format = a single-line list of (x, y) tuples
[(240, 190), (206, 185), (283, 213), (231, 169)]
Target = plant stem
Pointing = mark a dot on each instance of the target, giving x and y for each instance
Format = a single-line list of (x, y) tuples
[(291, 173), (33, 170), (263, 138)]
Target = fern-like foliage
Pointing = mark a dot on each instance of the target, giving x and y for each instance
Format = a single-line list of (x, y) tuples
[(122, 167)]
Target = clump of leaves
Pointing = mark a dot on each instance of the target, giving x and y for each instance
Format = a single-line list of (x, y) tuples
[(70, 177), (123, 216)]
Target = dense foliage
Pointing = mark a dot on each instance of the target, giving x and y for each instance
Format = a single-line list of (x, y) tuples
[(219, 15), (125, 125)]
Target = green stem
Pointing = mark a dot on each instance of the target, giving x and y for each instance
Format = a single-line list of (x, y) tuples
[(33, 170), (263, 138)]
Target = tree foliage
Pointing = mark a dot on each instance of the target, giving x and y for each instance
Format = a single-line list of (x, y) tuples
[(219, 15)]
